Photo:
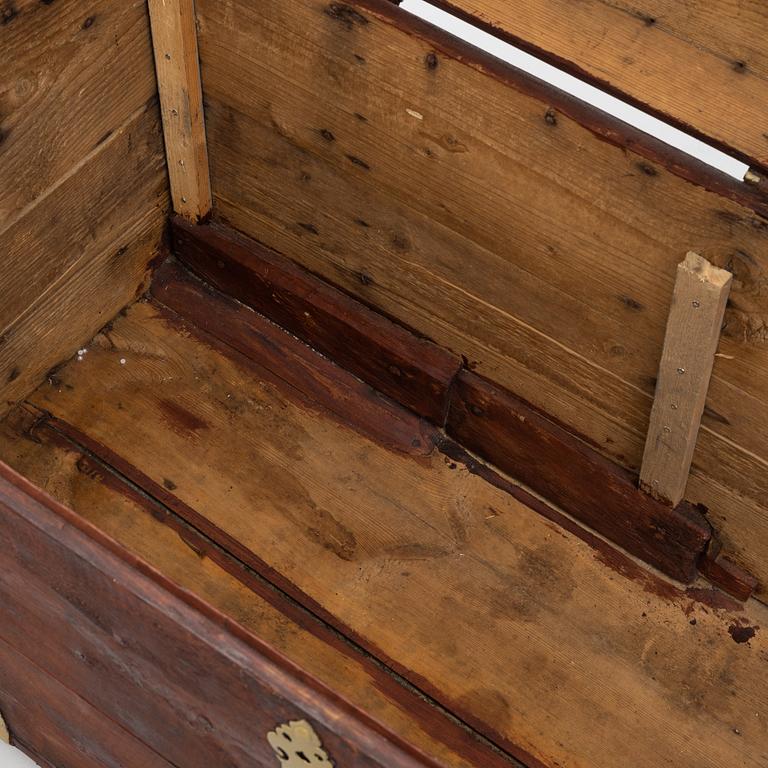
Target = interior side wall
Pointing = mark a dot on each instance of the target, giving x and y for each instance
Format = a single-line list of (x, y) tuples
[(490, 222), (82, 179)]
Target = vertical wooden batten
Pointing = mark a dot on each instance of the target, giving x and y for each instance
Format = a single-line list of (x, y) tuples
[(693, 332), (174, 39)]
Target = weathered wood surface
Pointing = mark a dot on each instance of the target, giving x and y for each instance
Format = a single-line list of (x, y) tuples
[(690, 342), (539, 453), (72, 75), (702, 64), (194, 562), (388, 546), (48, 719), (82, 181), (472, 195), (147, 654), (414, 371), (728, 576), (174, 39)]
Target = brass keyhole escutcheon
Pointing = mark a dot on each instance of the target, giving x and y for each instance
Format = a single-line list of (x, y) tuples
[(298, 746)]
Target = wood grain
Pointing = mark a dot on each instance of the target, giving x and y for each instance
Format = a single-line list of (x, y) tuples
[(396, 362), (463, 223), (313, 378), (59, 296), (52, 721), (700, 64), (82, 184), (386, 547), (174, 39), (72, 75), (195, 563), (690, 343), (146, 653)]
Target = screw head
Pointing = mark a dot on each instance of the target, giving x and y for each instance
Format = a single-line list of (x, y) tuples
[(681, 370), (696, 303)]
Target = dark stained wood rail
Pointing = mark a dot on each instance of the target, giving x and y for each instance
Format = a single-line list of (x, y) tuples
[(416, 372)]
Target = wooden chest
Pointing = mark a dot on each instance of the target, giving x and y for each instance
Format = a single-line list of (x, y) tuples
[(368, 402)]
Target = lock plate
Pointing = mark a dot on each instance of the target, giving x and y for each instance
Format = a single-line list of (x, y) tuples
[(298, 746)]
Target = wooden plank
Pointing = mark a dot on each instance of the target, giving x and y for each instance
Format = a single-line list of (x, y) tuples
[(728, 576), (385, 547), (690, 343), (72, 75), (197, 564), (699, 64), (568, 472), (77, 260), (174, 39), (146, 653), (450, 247), (55, 723), (82, 192), (118, 184), (412, 370)]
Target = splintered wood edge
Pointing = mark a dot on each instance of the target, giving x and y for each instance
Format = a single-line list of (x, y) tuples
[(692, 335), (704, 271), (4, 735), (177, 64)]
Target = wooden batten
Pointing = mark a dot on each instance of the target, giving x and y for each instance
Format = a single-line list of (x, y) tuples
[(398, 363), (174, 38), (693, 332)]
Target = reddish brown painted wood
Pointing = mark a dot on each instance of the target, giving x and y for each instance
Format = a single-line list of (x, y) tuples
[(568, 472), (467, 743), (412, 370), (56, 725), (730, 577), (173, 671), (234, 328)]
